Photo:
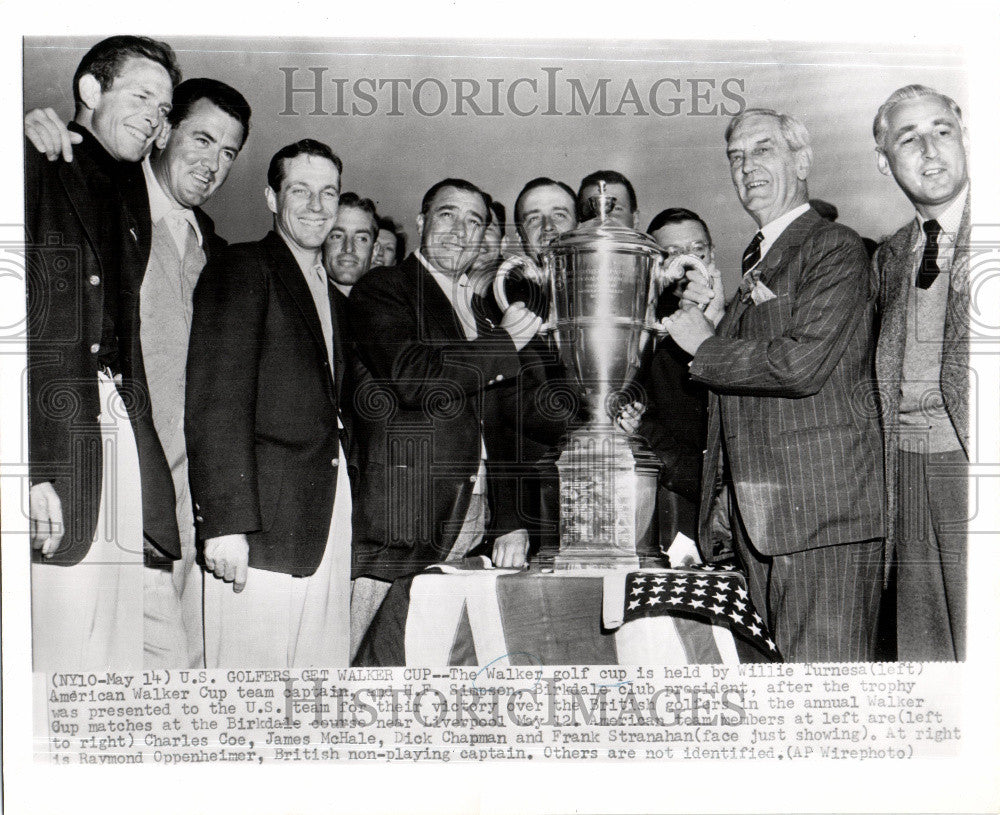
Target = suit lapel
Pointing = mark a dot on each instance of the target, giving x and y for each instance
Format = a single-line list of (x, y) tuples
[(772, 263), (338, 305), (287, 272), (896, 270), (955, 350), (76, 190), (438, 314)]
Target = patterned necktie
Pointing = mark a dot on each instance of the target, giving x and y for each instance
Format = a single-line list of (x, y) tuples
[(751, 257), (929, 269)]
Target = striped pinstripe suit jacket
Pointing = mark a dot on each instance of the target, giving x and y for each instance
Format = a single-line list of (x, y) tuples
[(792, 395), (896, 262)]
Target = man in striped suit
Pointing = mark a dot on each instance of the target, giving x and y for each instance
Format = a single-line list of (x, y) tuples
[(794, 458)]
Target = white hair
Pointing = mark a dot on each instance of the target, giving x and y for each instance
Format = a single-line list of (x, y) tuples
[(793, 131)]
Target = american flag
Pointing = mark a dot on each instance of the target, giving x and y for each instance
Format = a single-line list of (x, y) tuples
[(717, 596)]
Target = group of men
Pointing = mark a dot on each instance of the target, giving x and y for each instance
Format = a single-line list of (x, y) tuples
[(243, 446)]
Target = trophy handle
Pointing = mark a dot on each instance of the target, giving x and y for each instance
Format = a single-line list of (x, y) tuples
[(667, 272), (530, 271)]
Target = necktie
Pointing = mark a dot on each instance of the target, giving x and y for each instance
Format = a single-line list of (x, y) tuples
[(929, 268), (751, 257)]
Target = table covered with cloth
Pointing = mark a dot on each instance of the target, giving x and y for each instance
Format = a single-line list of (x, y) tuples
[(469, 615)]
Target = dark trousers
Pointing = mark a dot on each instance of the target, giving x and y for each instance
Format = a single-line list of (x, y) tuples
[(931, 523), (821, 605)]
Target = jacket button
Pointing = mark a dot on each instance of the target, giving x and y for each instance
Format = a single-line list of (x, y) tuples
[(472, 478), (334, 462), (95, 348), (94, 280), (499, 378), (199, 519)]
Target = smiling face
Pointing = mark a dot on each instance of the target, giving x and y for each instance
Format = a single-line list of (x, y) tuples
[(544, 214), (198, 153), (452, 229), (305, 207), (347, 253), (770, 177), (924, 150), (128, 116)]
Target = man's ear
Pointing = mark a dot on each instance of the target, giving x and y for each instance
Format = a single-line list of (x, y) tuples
[(271, 198), (420, 229), (635, 219), (803, 162), (90, 91), (882, 162)]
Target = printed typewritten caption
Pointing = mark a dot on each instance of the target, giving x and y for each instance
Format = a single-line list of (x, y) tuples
[(584, 713)]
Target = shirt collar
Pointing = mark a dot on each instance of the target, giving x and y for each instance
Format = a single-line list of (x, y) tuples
[(773, 230), (445, 281), (160, 206), (951, 218)]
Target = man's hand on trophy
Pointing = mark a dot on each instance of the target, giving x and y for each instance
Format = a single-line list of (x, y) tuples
[(510, 551), (689, 328), (704, 290), (49, 134), (521, 323), (630, 417), (700, 285), (45, 514)]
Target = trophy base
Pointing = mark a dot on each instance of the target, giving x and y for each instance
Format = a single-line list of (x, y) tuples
[(598, 561), (607, 501)]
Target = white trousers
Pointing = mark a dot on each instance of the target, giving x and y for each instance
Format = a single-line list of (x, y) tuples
[(88, 617), (283, 621)]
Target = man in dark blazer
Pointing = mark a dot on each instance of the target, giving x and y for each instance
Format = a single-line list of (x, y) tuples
[(789, 428), (87, 266), (426, 452), (192, 157), (923, 369), (267, 425)]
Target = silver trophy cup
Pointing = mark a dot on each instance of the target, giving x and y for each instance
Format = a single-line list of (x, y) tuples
[(603, 282)]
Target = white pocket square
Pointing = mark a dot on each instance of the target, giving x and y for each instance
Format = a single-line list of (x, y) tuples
[(760, 294)]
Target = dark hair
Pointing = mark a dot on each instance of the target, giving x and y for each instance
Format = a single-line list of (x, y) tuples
[(534, 184), (105, 60), (677, 215), (458, 184), (354, 201), (390, 225), (608, 177), (225, 98), (303, 147), (499, 215)]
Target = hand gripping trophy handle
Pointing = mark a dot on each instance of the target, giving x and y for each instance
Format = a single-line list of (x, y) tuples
[(532, 273)]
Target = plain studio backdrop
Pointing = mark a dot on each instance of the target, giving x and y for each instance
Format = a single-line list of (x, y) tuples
[(403, 114)]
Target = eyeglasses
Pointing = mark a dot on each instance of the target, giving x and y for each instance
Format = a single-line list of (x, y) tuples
[(698, 248)]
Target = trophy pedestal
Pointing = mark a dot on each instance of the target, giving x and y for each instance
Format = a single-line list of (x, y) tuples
[(607, 500)]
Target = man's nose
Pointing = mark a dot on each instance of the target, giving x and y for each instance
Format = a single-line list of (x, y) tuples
[(316, 202), (929, 146), (348, 245), (211, 162)]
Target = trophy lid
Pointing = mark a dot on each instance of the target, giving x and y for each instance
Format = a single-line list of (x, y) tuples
[(601, 232), (595, 234)]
